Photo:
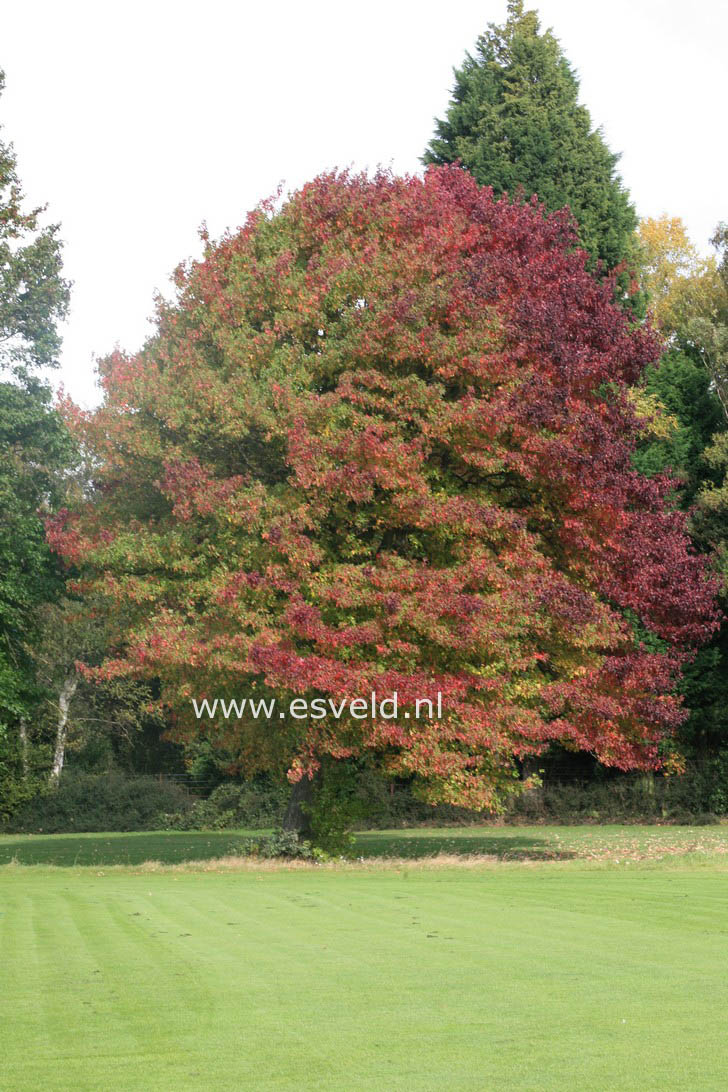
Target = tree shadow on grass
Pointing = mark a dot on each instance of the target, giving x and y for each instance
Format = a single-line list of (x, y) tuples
[(121, 849), (506, 846), (173, 847)]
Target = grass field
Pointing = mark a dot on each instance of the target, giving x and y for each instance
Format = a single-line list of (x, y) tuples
[(601, 968), (618, 843)]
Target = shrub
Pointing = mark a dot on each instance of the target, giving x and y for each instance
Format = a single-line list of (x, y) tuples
[(16, 793), (699, 795), (232, 805), (285, 843), (94, 802)]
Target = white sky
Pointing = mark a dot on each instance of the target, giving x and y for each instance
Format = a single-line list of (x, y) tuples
[(138, 121)]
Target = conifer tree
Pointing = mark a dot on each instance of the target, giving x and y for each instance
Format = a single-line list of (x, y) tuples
[(515, 122)]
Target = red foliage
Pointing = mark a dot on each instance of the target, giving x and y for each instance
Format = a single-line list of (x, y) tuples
[(383, 441)]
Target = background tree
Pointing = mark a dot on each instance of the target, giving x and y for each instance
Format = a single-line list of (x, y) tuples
[(688, 294), (34, 446), (103, 725), (34, 450), (383, 441), (686, 299), (33, 292), (708, 333), (515, 121), (671, 268)]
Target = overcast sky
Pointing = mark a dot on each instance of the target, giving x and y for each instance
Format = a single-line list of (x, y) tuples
[(137, 121)]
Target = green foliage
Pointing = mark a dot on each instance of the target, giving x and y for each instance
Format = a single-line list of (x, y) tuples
[(205, 763), (90, 802), (694, 448), (284, 843), (712, 516), (34, 445), (17, 786), (699, 795), (339, 805), (355, 795), (705, 687), (33, 293), (684, 390), (230, 806), (515, 122), (34, 448)]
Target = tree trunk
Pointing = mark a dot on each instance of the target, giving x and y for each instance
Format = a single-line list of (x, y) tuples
[(24, 747), (530, 766), (298, 812), (64, 700)]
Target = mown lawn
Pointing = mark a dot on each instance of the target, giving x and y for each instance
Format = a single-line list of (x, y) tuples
[(604, 969)]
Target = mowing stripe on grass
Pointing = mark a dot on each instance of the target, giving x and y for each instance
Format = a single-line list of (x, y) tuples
[(519, 977)]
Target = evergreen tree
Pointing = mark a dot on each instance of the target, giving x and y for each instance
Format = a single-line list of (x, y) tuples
[(515, 122)]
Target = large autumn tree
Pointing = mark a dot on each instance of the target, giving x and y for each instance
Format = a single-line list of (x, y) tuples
[(515, 121), (383, 440)]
